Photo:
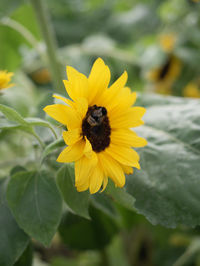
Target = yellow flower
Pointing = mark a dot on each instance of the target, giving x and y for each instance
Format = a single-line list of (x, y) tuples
[(191, 90), (41, 76), (98, 120), (167, 42), (163, 77), (5, 78)]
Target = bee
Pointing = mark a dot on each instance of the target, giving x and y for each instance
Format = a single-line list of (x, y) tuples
[(96, 116)]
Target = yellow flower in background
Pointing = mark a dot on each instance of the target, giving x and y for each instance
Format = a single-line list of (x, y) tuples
[(163, 77), (5, 78), (167, 42), (98, 120), (41, 76), (191, 90)]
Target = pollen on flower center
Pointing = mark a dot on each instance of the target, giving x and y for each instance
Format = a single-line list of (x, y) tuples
[(96, 128)]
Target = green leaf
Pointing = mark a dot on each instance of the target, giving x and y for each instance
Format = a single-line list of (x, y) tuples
[(151, 99), (12, 115), (16, 169), (16, 119), (8, 6), (13, 240), (80, 233), (78, 202), (167, 187), (104, 203), (25, 124), (13, 37), (35, 203), (121, 196), (26, 258), (4, 124)]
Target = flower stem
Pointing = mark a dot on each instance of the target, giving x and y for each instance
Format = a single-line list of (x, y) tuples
[(38, 139), (50, 40), (190, 251)]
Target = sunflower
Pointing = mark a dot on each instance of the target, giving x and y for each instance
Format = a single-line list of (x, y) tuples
[(5, 78), (163, 77), (167, 42), (192, 90), (98, 120)]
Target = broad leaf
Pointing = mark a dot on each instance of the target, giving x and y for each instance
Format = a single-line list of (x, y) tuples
[(16, 121), (12, 39), (16, 169), (80, 233), (13, 240), (26, 258), (120, 196), (12, 115), (36, 204), (104, 203), (78, 202), (167, 188), (4, 124)]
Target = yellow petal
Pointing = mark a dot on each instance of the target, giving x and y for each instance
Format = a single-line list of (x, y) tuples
[(105, 182), (123, 155), (122, 101), (131, 118), (88, 152), (72, 136), (127, 169), (107, 97), (98, 80), (119, 83), (77, 84), (72, 153), (83, 187), (63, 114), (59, 97), (112, 169), (83, 170), (96, 179), (127, 137), (81, 107)]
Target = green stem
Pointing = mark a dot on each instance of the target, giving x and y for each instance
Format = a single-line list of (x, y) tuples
[(50, 40), (38, 139), (190, 251), (54, 132)]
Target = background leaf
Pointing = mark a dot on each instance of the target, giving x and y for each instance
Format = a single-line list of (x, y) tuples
[(36, 204), (167, 188), (13, 240), (12, 40), (12, 115), (80, 233), (26, 258), (120, 196)]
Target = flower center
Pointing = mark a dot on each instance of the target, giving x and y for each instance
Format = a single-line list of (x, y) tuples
[(96, 128)]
